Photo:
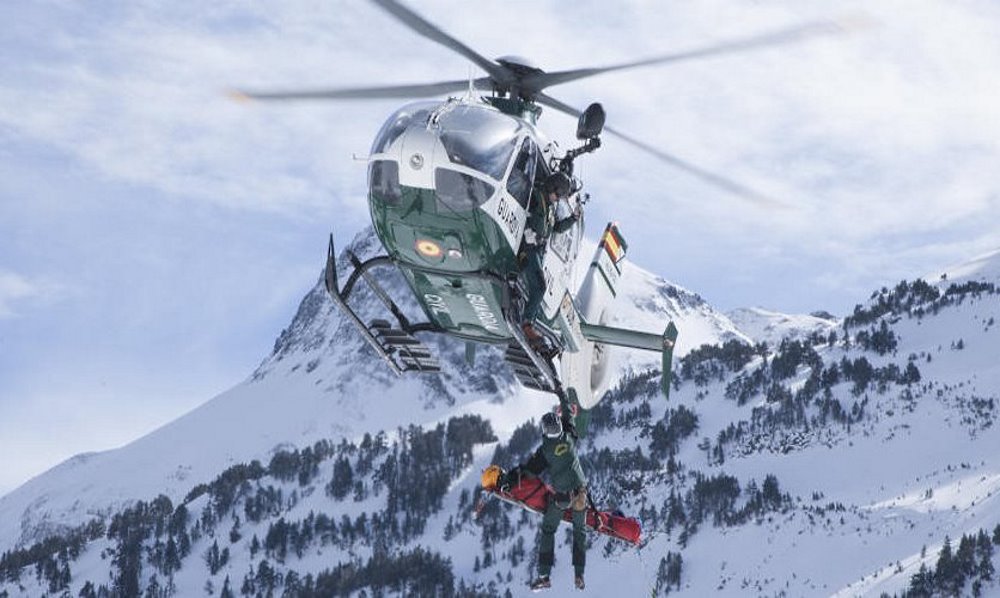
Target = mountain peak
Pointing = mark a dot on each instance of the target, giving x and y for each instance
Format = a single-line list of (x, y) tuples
[(323, 382)]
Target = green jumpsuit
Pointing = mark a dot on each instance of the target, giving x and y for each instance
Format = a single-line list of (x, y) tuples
[(558, 456)]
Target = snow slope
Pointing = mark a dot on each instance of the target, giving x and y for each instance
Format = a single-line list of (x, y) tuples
[(872, 477), (771, 327), (985, 267), (919, 469)]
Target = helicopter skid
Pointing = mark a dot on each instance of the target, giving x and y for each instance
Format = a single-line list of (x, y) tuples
[(396, 346)]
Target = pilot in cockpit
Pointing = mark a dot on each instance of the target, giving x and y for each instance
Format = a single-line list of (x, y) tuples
[(554, 216)]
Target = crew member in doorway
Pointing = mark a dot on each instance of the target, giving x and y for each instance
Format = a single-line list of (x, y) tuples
[(556, 216)]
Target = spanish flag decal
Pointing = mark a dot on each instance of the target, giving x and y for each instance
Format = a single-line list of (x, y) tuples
[(613, 243)]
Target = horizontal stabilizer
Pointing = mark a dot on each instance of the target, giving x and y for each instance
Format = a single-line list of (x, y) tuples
[(634, 339), (622, 337)]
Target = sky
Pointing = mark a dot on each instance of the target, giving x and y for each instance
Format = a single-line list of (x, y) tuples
[(155, 237)]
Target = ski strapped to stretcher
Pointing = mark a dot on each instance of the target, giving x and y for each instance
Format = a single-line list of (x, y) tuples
[(533, 494)]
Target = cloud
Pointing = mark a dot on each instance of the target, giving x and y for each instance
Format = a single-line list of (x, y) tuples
[(891, 129), (888, 112), (17, 290)]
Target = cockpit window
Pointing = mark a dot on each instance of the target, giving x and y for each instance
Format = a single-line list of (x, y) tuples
[(397, 123), (522, 174), (459, 191), (480, 139), (383, 180)]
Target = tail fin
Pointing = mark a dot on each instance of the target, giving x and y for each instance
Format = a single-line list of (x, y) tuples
[(600, 285)]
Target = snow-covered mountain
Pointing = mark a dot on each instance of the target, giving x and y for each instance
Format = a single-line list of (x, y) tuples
[(836, 460), (765, 326), (320, 382), (985, 267)]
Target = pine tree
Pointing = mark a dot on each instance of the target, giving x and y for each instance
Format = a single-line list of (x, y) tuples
[(343, 479), (985, 570), (946, 571), (171, 557), (674, 571), (771, 493), (213, 558), (234, 532), (88, 591), (922, 583), (266, 576)]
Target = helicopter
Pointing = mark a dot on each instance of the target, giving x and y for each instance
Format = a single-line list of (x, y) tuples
[(454, 186)]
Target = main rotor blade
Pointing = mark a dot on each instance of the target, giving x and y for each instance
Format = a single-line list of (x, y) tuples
[(710, 177), (540, 81), (359, 93), (432, 32), (714, 179)]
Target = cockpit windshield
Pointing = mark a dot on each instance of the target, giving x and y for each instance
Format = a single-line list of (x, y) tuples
[(398, 122), (459, 191), (480, 143), (480, 139)]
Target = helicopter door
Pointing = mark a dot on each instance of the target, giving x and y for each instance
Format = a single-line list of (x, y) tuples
[(522, 174), (512, 215), (558, 264), (520, 183)]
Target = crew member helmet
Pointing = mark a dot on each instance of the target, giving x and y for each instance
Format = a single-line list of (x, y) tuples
[(559, 183), (551, 426)]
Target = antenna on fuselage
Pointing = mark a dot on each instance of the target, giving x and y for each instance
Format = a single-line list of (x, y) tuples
[(472, 84)]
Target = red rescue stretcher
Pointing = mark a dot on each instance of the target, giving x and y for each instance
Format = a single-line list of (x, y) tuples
[(533, 494)]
